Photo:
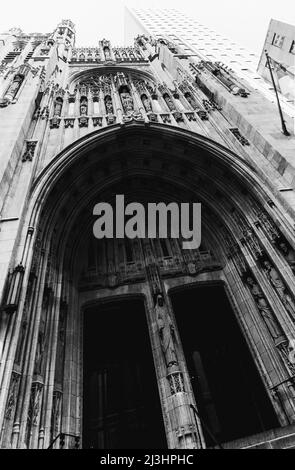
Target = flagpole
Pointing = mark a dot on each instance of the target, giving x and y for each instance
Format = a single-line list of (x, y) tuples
[(284, 128)]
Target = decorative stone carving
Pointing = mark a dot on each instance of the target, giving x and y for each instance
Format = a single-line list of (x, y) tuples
[(12, 395), (109, 105), (166, 332), (188, 96), (72, 97), (37, 113), (286, 349), (97, 121), (33, 411), (168, 100), (248, 236), (111, 119), (264, 308), (279, 287), (141, 40), (176, 383), (265, 222), (57, 107), (14, 87), (83, 106), (203, 115), (55, 414), (287, 252), (106, 46), (39, 353), (166, 118), (178, 117), (153, 117), (45, 112), (127, 101), (190, 117), (211, 105), (34, 407), (83, 121), (69, 122), (30, 150), (54, 123), (146, 103), (235, 131), (133, 116)]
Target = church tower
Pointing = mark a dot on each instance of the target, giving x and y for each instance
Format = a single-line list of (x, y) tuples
[(139, 343)]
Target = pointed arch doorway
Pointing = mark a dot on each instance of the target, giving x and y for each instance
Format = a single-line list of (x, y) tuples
[(229, 392), (121, 405)]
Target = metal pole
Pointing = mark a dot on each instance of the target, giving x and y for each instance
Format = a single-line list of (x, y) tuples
[(284, 128)]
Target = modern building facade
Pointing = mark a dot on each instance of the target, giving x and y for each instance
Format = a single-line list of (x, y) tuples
[(280, 45), (197, 39), (139, 343)]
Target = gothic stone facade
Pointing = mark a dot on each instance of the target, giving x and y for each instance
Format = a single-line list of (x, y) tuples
[(79, 125)]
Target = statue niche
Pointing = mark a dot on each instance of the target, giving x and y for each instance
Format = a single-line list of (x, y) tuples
[(83, 106), (146, 103), (109, 105), (169, 102), (57, 107), (83, 119), (107, 54), (191, 100), (126, 99)]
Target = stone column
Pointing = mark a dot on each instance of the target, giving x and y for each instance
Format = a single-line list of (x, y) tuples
[(182, 425)]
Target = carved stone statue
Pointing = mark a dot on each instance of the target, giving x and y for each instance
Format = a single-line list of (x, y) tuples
[(279, 287), (127, 102), (289, 254), (264, 309), (191, 100), (166, 331), (169, 102), (146, 103), (109, 105), (57, 107), (83, 107), (107, 53)]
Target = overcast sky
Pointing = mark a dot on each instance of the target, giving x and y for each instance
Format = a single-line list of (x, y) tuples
[(245, 22)]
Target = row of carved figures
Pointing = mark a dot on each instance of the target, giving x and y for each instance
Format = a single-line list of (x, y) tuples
[(120, 54), (132, 95), (271, 313)]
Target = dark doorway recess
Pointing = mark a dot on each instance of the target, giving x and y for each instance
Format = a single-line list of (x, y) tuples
[(121, 406), (229, 392)]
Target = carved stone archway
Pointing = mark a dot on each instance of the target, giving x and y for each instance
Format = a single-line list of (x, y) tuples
[(248, 243)]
